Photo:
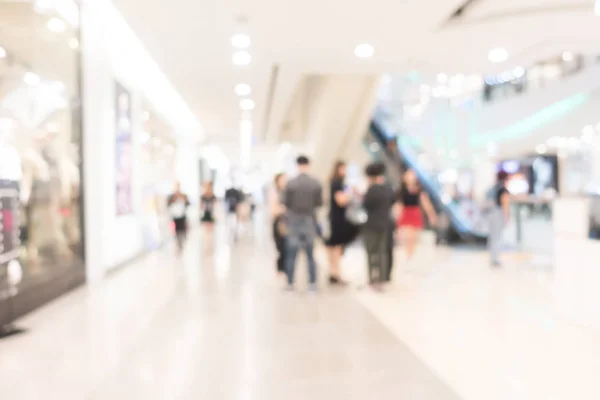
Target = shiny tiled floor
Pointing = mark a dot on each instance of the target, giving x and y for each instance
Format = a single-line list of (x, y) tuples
[(214, 324)]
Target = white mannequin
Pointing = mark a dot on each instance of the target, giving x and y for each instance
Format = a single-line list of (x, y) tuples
[(70, 181), (42, 196)]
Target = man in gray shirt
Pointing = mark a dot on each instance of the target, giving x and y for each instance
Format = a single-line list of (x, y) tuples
[(302, 196)]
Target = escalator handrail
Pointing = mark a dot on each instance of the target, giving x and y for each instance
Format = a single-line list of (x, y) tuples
[(461, 226)]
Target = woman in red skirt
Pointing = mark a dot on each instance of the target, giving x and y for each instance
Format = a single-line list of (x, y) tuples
[(410, 217)]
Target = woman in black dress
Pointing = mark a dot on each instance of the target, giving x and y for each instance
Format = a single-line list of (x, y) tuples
[(342, 232), (279, 223), (207, 204)]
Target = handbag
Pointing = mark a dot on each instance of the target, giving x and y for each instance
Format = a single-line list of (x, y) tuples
[(281, 226), (355, 213)]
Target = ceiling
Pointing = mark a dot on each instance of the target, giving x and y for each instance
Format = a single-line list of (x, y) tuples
[(190, 40)]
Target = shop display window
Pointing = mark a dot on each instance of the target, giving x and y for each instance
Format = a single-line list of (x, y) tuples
[(40, 142)]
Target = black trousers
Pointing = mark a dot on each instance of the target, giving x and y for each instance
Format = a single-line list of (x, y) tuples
[(180, 230), (280, 245), (390, 250)]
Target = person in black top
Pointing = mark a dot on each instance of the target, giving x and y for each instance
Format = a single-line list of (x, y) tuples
[(233, 199), (499, 217), (411, 198), (207, 202), (177, 204), (378, 203), (342, 232)]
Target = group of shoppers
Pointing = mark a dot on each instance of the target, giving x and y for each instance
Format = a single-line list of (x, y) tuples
[(294, 206)]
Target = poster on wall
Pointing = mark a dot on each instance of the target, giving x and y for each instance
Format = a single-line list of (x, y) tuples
[(123, 153)]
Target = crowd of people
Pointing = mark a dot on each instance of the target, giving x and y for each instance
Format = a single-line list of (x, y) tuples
[(295, 204), (377, 215)]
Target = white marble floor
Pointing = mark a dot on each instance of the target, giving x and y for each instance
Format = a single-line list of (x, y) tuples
[(214, 324)]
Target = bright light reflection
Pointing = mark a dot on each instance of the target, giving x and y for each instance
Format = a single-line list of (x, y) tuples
[(498, 55), (57, 25), (241, 41), (31, 79), (364, 50), (241, 58), (242, 89), (247, 104)]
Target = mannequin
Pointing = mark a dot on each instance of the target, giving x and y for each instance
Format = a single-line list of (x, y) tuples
[(41, 195), (70, 191)]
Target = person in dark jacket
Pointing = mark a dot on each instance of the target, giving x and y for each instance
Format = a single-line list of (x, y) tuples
[(377, 202)]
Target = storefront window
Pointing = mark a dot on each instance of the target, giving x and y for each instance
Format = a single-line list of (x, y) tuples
[(40, 140)]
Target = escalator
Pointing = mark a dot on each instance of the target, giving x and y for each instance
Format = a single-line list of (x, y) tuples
[(401, 157)]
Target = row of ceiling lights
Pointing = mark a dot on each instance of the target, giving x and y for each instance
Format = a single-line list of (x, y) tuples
[(241, 58)]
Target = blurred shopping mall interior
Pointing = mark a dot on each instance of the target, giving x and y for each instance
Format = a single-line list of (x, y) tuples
[(106, 106)]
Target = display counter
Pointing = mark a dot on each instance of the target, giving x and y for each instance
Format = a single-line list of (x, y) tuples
[(576, 261)]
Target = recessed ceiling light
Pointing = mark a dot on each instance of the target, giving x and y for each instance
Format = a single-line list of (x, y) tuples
[(498, 55), (57, 25), (364, 50), (442, 78), (247, 104), (518, 72), (74, 43), (31, 79), (242, 89), (240, 41), (241, 58), (541, 149), (2, 52), (568, 56)]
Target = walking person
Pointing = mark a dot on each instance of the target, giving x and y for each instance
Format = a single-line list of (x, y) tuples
[(377, 202), (303, 195), (391, 242), (342, 232), (208, 201), (499, 217), (234, 198), (280, 227), (177, 204), (411, 198)]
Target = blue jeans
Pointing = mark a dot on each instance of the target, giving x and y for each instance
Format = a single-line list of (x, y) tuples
[(301, 235)]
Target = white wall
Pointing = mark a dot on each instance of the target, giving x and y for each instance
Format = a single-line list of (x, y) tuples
[(112, 52)]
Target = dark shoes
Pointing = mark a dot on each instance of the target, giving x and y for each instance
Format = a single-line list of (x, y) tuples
[(337, 281)]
